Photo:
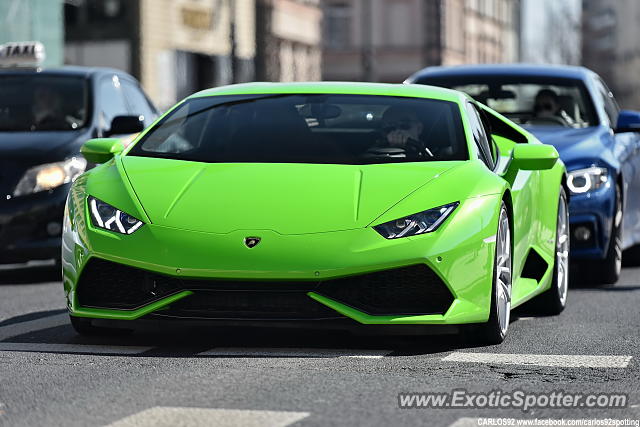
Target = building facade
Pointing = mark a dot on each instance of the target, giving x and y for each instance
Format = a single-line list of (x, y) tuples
[(288, 42), (177, 47), (610, 46), (34, 20), (174, 47), (387, 40), (550, 31)]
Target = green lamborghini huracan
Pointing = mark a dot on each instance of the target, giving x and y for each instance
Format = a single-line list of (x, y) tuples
[(319, 204)]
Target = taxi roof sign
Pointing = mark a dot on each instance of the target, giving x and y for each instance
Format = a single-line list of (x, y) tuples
[(22, 54)]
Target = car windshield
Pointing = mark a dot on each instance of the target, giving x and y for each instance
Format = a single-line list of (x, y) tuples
[(42, 102), (308, 128), (531, 101)]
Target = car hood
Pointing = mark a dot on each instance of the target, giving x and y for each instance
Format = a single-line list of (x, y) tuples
[(572, 144), (39, 147), (286, 198)]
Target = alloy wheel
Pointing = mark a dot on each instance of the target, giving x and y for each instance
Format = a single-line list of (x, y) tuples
[(503, 272), (562, 251), (617, 235)]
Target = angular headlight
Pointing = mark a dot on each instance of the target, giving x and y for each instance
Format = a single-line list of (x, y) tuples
[(49, 176), (583, 180), (420, 223), (105, 216)]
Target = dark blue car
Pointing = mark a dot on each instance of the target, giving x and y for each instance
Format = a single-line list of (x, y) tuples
[(45, 116), (572, 109)]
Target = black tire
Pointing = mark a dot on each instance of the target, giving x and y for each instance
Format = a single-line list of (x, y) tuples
[(554, 300), (491, 333), (84, 327)]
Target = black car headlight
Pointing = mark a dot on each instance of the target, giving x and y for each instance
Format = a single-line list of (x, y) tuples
[(420, 223), (50, 176), (584, 180), (105, 216)]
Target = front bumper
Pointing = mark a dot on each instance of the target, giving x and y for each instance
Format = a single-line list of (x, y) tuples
[(593, 211), (30, 226), (459, 255)]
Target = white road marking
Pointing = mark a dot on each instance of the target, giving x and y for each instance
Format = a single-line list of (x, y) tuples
[(71, 348), (295, 352), (194, 417), (554, 360), (366, 356), (29, 264), (465, 422), (21, 328)]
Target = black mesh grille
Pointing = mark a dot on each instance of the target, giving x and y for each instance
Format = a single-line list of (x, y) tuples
[(267, 303), (408, 290), (106, 284)]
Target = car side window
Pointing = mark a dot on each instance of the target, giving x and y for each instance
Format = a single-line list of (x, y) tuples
[(138, 103), (610, 105), (486, 125), (480, 136), (111, 102)]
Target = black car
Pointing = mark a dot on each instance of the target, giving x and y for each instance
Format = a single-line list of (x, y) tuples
[(45, 116)]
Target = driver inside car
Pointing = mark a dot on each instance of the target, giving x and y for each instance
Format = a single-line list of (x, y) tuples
[(402, 129), (547, 106), (46, 110)]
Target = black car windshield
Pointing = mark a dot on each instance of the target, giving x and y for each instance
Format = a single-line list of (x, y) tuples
[(527, 100), (41, 102), (308, 128)]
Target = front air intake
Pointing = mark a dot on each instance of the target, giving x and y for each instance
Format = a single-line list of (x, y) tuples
[(105, 284), (409, 290)]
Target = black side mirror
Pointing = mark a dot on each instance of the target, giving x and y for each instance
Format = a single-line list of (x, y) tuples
[(628, 121), (122, 125)]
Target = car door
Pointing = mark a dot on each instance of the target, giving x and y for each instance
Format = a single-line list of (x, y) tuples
[(523, 188), (626, 148)]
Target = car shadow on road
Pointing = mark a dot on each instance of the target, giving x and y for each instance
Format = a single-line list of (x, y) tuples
[(59, 337), (581, 281), (610, 288)]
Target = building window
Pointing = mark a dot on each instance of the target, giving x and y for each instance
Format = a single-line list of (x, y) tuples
[(337, 28), (105, 10)]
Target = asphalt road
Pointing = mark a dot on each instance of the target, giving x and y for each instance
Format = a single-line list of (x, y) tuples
[(50, 376)]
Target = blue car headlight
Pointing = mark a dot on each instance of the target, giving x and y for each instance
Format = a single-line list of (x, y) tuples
[(584, 180), (420, 223), (105, 216)]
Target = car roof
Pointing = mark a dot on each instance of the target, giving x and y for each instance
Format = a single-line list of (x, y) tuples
[(341, 88), (69, 70), (560, 71)]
